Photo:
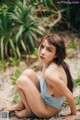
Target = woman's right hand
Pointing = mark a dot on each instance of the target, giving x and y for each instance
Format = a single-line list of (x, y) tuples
[(72, 117)]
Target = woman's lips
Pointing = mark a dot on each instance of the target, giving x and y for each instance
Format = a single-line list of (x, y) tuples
[(41, 57)]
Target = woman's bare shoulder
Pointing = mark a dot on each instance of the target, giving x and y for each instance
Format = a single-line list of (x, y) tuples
[(55, 74), (51, 72)]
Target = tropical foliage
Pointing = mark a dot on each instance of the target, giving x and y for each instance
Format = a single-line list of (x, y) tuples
[(5, 32), (23, 23), (19, 29)]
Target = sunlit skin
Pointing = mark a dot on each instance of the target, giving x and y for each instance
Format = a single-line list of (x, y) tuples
[(46, 53), (31, 103)]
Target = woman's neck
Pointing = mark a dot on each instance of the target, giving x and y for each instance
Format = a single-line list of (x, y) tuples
[(46, 65)]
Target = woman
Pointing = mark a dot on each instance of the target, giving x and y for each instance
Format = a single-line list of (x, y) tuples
[(44, 97)]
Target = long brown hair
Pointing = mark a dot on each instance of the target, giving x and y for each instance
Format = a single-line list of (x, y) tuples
[(57, 41)]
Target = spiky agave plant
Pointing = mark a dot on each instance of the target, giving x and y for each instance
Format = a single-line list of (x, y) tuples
[(26, 27)]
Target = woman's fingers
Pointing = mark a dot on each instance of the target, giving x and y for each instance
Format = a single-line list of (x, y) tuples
[(69, 117)]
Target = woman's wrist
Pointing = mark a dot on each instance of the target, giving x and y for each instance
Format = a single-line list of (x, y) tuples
[(75, 113)]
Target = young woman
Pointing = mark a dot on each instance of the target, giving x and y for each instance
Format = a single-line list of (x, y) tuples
[(43, 97)]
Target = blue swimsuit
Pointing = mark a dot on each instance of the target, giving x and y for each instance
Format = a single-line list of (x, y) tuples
[(47, 98)]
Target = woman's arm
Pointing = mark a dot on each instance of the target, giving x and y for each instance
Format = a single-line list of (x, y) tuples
[(60, 86)]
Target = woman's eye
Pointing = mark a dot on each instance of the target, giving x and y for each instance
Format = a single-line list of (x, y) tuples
[(49, 50), (42, 46)]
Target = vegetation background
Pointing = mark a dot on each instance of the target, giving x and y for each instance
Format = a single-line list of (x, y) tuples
[(22, 25)]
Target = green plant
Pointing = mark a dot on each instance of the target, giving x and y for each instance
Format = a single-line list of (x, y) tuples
[(36, 51), (77, 82), (73, 44), (15, 76), (5, 33), (14, 61), (2, 65), (19, 32), (26, 27), (15, 98), (78, 100)]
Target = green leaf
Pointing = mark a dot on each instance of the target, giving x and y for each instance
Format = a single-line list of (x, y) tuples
[(20, 5), (15, 18), (14, 61), (2, 48), (18, 51), (36, 30), (23, 45), (15, 98), (17, 73), (33, 35), (12, 45), (18, 35), (31, 40)]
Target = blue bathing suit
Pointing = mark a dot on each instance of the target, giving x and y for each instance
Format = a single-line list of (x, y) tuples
[(47, 98)]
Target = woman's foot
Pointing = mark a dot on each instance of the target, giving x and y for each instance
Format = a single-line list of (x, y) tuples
[(22, 113), (19, 106)]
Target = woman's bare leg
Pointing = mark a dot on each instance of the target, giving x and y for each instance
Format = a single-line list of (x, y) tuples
[(25, 112), (29, 73), (33, 98)]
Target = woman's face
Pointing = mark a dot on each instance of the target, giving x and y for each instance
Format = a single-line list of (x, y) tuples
[(46, 52)]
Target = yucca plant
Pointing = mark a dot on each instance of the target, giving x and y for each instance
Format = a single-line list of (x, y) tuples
[(26, 27), (6, 42)]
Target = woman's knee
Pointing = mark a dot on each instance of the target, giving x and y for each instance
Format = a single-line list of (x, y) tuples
[(29, 73), (23, 77), (22, 80), (26, 76)]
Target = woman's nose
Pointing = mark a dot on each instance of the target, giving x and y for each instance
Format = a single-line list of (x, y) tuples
[(43, 51)]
